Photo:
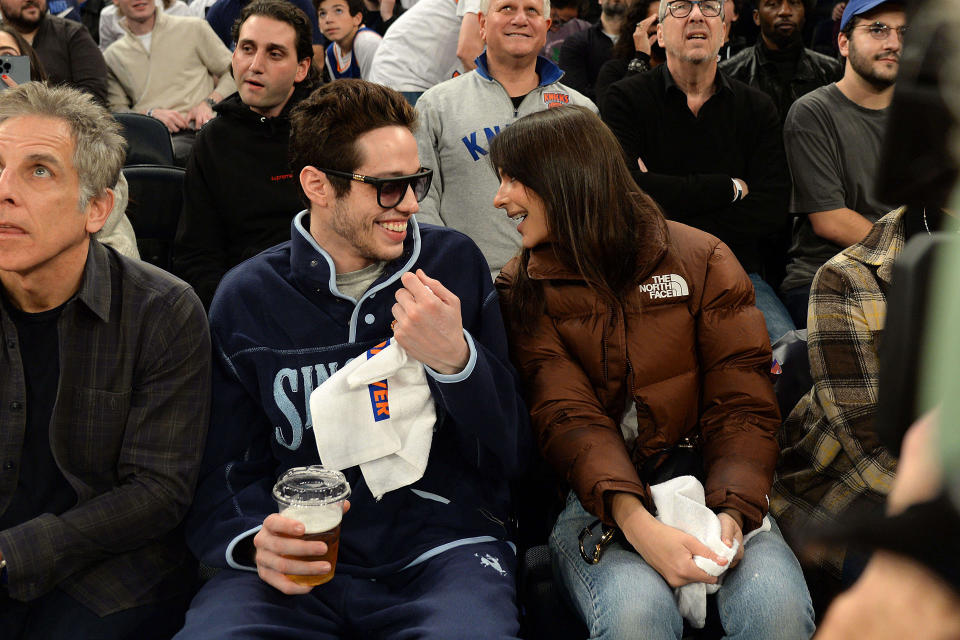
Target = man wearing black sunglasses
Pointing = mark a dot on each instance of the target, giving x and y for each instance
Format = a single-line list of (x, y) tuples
[(359, 270)]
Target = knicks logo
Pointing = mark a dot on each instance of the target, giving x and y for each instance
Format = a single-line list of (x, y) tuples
[(555, 99), (379, 402)]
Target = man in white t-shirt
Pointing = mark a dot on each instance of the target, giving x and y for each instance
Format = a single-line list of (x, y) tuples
[(420, 48)]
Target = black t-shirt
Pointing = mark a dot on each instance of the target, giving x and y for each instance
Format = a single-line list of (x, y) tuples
[(41, 486)]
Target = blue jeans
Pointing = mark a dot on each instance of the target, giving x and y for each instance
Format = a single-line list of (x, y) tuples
[(774, 313), (763, 598)]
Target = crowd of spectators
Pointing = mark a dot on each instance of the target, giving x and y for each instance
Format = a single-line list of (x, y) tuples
[(711, 172)]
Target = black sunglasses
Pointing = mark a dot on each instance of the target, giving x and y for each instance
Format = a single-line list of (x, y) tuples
[(390, 191)]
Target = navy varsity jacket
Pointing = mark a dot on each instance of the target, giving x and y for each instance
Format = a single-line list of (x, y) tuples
[(280, 327)]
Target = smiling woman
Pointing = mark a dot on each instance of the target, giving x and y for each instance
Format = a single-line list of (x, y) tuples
[(629, 332)]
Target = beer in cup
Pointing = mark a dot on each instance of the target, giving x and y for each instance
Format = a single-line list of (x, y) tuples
[(314, 497)]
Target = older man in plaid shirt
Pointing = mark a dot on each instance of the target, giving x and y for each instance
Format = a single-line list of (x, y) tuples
[(104, 390)]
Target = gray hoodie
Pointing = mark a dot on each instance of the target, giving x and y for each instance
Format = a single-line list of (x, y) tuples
[(458, 118)]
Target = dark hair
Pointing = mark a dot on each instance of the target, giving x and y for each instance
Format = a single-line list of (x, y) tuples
[(566, 4), (37, 72), (848, 28), (855, 20), (601, 222), (355, 7), (283, 11), (325, 126), (624, 49)]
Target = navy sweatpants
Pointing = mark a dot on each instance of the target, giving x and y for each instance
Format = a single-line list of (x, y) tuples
[(465, 592)]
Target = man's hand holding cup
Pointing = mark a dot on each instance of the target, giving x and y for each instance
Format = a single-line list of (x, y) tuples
[(296, 549)]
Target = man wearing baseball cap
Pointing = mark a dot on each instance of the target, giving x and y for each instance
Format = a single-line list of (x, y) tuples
[(832, 137)]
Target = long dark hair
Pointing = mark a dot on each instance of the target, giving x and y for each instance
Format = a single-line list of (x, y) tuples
[(624, 48), (601, 222), (37, 72)]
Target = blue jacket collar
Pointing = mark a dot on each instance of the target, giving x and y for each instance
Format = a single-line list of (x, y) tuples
[(313, 267), (548, 72)]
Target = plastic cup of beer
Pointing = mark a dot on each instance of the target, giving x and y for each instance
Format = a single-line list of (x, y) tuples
[(314, 496)]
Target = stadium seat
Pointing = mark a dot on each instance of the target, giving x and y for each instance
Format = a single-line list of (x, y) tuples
[(156, 198), (148, 141)]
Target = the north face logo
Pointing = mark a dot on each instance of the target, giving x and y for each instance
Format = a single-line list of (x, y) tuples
[(668, 286)]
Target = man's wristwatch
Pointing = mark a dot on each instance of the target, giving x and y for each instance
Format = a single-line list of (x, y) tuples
[(210, 101), (737, 190)]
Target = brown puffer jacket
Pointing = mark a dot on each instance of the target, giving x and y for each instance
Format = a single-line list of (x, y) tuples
[(688, 341)]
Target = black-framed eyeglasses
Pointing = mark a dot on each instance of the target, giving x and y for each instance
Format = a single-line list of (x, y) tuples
[(880, 31), (682, 8), (391, 191)]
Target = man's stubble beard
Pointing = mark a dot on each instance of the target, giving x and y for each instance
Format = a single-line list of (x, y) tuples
[(864, 69)]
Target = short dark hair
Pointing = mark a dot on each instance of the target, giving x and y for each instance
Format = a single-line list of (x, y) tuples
[(851, 23), (282, 11), (355, 7), (325, 126)]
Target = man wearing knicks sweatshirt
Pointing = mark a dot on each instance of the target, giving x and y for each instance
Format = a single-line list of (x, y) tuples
[(432, 558), (459, 117)]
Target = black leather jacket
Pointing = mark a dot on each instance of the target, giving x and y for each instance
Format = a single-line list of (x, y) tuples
[(754, 67)]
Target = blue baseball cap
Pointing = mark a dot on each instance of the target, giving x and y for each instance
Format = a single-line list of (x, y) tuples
[(856, 7)]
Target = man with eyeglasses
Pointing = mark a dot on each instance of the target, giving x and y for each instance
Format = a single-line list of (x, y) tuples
[(706, 147), (564, 22), (833, 137), (434, 555)]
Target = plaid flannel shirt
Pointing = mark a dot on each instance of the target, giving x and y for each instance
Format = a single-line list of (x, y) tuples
[(830, 455), (127, 431)]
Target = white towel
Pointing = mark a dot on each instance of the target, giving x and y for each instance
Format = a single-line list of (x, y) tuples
[(680, 503), (376, 412)]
